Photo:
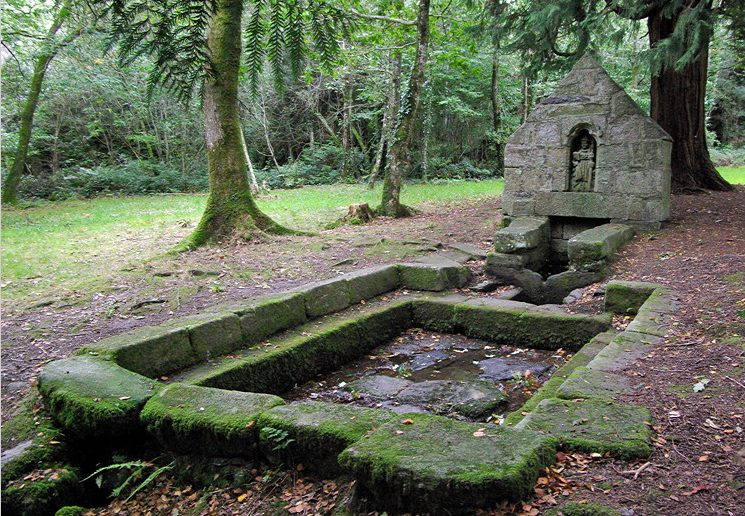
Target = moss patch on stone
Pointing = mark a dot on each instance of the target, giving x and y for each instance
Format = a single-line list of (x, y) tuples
[(626, 347), (276, 366), (211, 333), (590, 383), (267, 315), (421, 463), (93, 398), (436, 312), (151, 351), (200, 420), (325, 297), (626, 297), (42, 492), (373, 281), (594, 426), (431, 277), (314, 433), (550, 388)]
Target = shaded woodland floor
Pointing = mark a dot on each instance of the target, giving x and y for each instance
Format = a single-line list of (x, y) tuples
[(697, 467)]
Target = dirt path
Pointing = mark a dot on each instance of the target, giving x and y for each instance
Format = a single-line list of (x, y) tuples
[(698, 466)]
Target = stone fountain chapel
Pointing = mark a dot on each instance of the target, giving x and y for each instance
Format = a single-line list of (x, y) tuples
[(587, 164)]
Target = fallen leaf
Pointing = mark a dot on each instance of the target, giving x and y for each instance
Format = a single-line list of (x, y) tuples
[(695, 490), (242, 498), (407, 422)]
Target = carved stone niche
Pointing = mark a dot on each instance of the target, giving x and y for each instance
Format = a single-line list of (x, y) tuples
[(588, 151)]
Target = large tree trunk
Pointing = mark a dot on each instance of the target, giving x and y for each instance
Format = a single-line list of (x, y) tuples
[(677, 104), (13, 178), (398, 155), (496, 108), (230, 210)]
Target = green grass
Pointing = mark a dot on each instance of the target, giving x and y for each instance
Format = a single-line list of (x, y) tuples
[(76, 245), (734, 174)]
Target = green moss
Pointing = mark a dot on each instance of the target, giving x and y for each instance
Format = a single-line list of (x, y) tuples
[(317, 432), (93, 398), (71, 510), (625, 347), (42, 492), (36, 442), (200, 420), (495, 320), (421, 463), (594, 426), (546, 330), (436, 278), (297, 356), (436, 313), (590, 383)]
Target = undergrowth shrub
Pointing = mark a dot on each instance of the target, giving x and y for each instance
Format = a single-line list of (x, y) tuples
[(318, 165), (133, 178)]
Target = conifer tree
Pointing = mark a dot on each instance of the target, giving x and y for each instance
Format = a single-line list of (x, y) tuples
[(679, 36)]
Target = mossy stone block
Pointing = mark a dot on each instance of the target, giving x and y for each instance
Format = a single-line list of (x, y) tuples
[(595, 246), (48, 490), (436, 313), (522, 234), (431, 277), (314, 433), (594, 426), (586, 383), (423, 463), (650, 322), (626, 297), (549, 389), (277, 365), (210, 334), (379, 325), (543, 329), (624, 349), (267, 315), (200, 420), (371, 282), (502, 265), (151, 351), (496, 320), (93, 398), (325, 297)]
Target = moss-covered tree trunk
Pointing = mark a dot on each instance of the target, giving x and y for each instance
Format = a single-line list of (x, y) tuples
[(398, 154), (13, 178), (231, 210), (677, 104)]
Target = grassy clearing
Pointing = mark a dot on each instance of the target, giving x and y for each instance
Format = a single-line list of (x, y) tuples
[(76, 245), (734, 174)]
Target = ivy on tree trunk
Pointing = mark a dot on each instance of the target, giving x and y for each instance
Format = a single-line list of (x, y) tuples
[(398, 154)]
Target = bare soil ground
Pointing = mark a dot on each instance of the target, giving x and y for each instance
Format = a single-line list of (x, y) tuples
[(697, 468)]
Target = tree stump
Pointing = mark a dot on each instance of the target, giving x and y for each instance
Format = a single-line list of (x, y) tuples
[(360, 211)]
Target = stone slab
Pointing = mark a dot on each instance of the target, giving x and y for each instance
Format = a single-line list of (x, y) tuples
[(205, 421), (373, 281), (474, 466), (594, 426)]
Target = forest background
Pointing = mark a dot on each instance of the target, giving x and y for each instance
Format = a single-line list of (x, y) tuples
[(99, 129)]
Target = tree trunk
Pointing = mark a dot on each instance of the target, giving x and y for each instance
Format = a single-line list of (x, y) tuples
[(13, 178), (398, 155), (677, 104), (230, 210), (393, 93), (496, 109)]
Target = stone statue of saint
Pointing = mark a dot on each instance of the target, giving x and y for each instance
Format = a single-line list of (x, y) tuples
[(583, 166)]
